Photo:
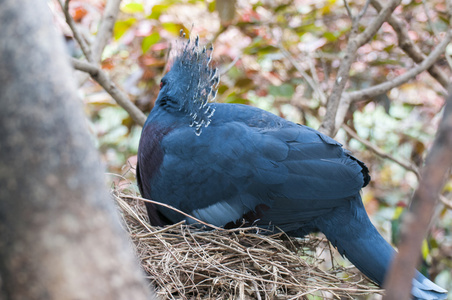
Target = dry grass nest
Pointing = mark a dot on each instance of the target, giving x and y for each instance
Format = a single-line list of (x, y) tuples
[(187, 262)]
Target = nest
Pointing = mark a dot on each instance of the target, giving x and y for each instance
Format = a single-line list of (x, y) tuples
[(187, 262)]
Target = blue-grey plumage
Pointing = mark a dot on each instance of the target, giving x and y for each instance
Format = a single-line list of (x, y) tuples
[(230, 164)]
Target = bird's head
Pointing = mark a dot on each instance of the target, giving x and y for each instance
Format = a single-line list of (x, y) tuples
[(190, 84)]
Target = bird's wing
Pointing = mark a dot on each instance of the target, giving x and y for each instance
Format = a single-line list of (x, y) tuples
[(234, 168)]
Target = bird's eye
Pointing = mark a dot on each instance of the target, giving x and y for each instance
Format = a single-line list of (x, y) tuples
[(162, 84)]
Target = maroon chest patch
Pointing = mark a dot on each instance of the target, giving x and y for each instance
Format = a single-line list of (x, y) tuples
[(150, 155), (150, 158)]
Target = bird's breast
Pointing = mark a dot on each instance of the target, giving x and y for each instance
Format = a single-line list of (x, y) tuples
[(150, 152)]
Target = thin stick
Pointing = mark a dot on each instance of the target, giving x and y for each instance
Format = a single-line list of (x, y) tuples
[(78, 37), (305, 75), (165, 229), (120, 97), (388, 85), (380, 152), (410, 48), (173, 208), (445, 201), (329, 124), (106, 26)]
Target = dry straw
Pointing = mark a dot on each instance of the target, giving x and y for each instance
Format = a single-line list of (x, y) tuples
[(185, 262)]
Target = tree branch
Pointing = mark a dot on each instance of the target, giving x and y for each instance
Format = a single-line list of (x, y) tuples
[(410, 48), (388, 85), (308, 78), (356, 40), (372, 29), (347, 8), (415, 225), (120, 97), (429, 20), (363, 11), (447, 203), (105, 28), (78, 37), (380, 152)]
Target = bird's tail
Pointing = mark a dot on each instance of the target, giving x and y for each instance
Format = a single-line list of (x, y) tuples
[(350, 230)]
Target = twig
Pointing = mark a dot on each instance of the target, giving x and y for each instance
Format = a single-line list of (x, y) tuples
[(120, 97), (105, 28), (347, 8), (164, 229), (380, 152), (388, 85), (78, 37), (256, 290), (445, 201), (315, 78), (173, 208), (416, 222), (228, 67), (356, 40), (300, 70), (373, 27), (410, 48), (363, 11), (429, 20)]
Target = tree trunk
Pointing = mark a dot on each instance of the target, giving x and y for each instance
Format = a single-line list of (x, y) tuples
[(60, 235)]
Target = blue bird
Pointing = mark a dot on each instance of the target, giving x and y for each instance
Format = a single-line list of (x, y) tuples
[(231, 165)]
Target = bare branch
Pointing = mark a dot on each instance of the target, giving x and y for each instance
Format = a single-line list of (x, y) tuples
[(363, 11), (410, 48), (416, 222), (386, 86), (356, 40), (172, 208), (314, 85), (120, 97), (347, 8), (380, 152), (105, 28), (228, 67), (445, 201), (315, 77), (78, 37), (373, 27), (429, 20)]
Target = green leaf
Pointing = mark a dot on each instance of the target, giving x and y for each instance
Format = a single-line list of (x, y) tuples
[(132, 8), (222, 88), (425, 249), (234, 73), (122, 26), (260, 47), (174, 28), (285, 90), (157, 10), (211, 6), (330, 36), (148, 41), (234, 98), (398, 212), (243, 82), (237, 100)]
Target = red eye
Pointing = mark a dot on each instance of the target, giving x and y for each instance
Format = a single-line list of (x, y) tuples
[(161, 84)]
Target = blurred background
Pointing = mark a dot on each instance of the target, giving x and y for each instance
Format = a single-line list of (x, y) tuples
[(269, 53)]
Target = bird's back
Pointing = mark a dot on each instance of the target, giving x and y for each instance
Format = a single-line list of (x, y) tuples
[(247, 159)]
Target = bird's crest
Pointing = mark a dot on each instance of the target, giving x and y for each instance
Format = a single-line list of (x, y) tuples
[(195, 80)]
